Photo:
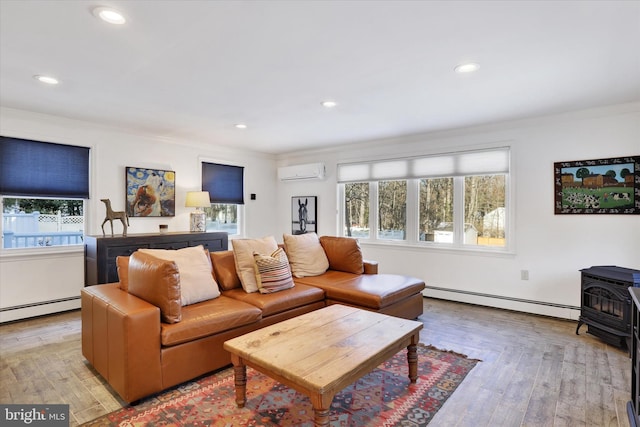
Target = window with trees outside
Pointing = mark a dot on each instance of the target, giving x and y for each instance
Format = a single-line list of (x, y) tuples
[(449, 200), (43, 187)]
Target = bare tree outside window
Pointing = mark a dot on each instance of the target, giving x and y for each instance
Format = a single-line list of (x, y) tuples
[(222, 217), (484, 199), (392, 210), (436, 208), (356, 204)]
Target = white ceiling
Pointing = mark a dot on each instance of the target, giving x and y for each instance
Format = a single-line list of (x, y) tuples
[(190, 70)]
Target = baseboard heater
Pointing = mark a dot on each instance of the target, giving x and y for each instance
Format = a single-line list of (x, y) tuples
[(36, 304), (528, 301)]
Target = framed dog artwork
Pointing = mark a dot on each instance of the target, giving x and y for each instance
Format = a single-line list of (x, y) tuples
[(150, 192)]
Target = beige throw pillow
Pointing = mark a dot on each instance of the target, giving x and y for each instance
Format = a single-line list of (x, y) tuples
[(194, 265), (306, 256), (243, 250)]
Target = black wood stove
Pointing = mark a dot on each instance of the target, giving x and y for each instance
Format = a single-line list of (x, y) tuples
[(606, 303)]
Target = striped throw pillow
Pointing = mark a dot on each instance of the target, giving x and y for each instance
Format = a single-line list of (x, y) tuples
[(272, 272)]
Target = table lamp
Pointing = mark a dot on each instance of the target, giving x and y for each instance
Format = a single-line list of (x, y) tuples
[(197, 199)]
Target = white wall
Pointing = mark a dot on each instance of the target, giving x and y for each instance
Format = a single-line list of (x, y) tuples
[(553, 248), (29, 279)]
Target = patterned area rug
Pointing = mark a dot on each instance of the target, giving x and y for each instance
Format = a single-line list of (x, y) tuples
[(384, 397)]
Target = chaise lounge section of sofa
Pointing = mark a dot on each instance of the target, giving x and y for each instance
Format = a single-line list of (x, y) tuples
[(142, 339)]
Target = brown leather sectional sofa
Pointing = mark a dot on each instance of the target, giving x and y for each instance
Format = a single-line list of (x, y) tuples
[(138, 354)]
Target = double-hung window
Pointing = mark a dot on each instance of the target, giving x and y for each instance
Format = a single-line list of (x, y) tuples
[(43, 187), (447, 200), (225, 184)]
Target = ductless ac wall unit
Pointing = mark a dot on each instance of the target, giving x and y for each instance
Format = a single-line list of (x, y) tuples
[(301, 172)]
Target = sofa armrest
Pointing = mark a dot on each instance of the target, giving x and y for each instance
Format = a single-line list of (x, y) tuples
[(370, 267), (121, 339)]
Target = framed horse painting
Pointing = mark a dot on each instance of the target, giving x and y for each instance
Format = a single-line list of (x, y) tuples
[(150, 192), (303, 214)]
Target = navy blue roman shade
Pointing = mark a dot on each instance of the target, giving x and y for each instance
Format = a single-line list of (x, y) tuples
[(43, 169), (224, 183)]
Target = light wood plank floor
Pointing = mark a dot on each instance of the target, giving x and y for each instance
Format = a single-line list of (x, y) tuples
[(534, 372)]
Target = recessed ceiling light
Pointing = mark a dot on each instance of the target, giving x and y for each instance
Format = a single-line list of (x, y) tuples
[(241, 126), (329, 104), (47, 79), (109, 15), (469, 67)]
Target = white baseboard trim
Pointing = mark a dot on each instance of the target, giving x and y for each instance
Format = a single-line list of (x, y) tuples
[(9, 314), (544, 308)]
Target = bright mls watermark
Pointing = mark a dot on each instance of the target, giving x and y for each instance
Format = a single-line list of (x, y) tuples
[(34, 415)]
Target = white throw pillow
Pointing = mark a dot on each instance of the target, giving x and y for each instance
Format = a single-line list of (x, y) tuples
[(243, 250), (194, 266), (306, 255)]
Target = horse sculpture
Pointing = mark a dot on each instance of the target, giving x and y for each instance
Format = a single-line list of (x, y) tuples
[(111, 215)]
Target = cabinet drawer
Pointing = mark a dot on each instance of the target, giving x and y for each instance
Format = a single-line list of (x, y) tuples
[(169, 245), (211, 245), (114, 251)]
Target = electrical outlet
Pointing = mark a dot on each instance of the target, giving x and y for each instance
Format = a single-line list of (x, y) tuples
[(524, 274)]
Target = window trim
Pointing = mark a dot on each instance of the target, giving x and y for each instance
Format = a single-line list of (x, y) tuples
[(78, 188), (413, 214), (241, 207)]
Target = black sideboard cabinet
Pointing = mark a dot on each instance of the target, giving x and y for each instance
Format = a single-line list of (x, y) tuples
[(633, 407), (100, 252)]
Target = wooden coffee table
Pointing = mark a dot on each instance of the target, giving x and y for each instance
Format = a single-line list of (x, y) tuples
[(322, 352)]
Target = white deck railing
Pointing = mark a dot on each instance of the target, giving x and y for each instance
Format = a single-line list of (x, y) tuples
[(37, 230), (41, 239)]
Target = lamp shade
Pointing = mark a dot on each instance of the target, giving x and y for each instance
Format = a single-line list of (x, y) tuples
[(197, 199)]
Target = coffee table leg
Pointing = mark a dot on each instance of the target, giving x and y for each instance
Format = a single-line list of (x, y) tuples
[(321, 417), (321, 408), (240, 375), (412, 359)]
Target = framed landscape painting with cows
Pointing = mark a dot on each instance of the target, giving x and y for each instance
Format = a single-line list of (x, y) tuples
[(150, 192), (601, 186)]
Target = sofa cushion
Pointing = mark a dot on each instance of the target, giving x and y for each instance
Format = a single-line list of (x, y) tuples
[(194, 266), (306, 256), (375, 291), (277, 302), (343, 253), (122, 263), (272, 272), (243, 250), (224, 270), (156, 281), (208, 318)]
